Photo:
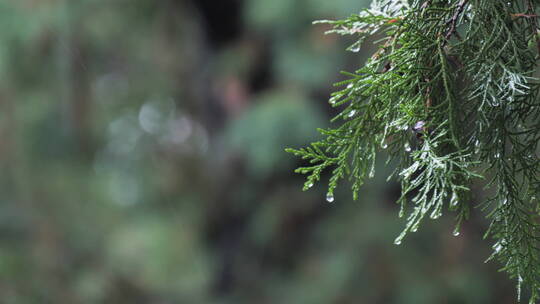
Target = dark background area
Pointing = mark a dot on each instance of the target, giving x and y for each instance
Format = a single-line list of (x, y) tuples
[(142, 161)]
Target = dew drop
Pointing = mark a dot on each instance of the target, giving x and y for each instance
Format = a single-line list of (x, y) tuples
[(355, 49), (404, 127), (333, 100), (407, 147), (520, 281), (497, 247), (414, 229), (309, 185), (372, 172), (419, 126), (350, 86), (351, 114), (329, 197), (384, 145), (455, 233), (397, 242), (454, 200)]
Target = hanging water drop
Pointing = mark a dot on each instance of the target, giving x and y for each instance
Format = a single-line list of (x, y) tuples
[(455, 233), (350, 86), (407, 147), (351, 114), (454, 200), (372, 172), (497, 247), (309, 185), (333, 100), (329, 197), (397, 241), (520, 281), (384, 145), (355, 49)]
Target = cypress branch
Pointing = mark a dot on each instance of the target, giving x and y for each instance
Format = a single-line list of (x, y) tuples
[(451, 94)]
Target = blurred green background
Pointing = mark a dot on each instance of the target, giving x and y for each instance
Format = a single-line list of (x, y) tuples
[(141, 158)]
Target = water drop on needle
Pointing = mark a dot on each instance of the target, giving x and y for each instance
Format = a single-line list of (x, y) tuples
[(407, 147), (497, 247), (454, 201), (351, 114), (329, 197)]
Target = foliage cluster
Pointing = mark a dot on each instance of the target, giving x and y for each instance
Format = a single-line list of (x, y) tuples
[(451, 96)]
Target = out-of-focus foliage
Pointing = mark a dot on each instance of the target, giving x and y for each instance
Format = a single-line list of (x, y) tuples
[(141, 157), (276, 117)]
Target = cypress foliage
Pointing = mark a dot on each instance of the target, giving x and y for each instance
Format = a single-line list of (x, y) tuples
[(451, 95)]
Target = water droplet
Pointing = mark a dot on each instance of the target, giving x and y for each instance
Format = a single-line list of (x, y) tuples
[(329, 197), (414, 229), (333, 100), (455, 233), (497, 247), (454, 200), (351, 114), (397, 242), (419, 126), (372, 172), (350, 86), (404, 127), (520, 281), (384, 145), (407, 147), (309, 185), (355, 49)]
